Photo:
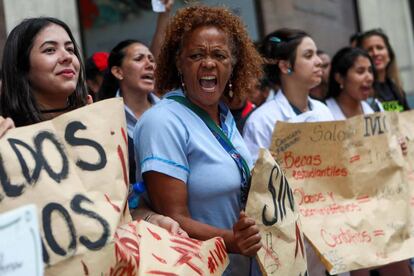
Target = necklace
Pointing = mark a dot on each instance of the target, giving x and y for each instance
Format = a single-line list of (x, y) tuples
[(55, 110)]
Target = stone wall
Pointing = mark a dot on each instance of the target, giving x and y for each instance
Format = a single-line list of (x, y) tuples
[(329, 22)]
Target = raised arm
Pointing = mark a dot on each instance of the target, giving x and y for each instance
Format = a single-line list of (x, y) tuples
[(159, 34)]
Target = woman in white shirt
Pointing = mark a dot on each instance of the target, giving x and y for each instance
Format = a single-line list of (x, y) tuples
[(294, 65), (350, 83)]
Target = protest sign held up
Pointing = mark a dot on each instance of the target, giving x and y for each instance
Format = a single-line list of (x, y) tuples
[(74, 169), (272, 204), (351, 182)]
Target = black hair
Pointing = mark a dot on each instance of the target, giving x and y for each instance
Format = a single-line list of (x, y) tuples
[(17, 100), (342, 61), (91, 71), (354, 37), (280, 45), (110, 84)]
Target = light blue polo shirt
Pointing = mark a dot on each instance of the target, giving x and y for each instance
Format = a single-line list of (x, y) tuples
[(173, 140)]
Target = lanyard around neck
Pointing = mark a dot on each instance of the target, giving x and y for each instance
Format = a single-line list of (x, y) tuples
[(224, 142)]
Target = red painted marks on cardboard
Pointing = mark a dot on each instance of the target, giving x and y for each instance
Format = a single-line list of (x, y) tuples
[(187, 252), (124, 136), (219, 253), (378, 232), (155, 235), (112, 204), (185, 243), (158, 272), (159, 259), (355, 158), (363, 199), (124, 169), (341, 237), (331, 209), (299, 242)]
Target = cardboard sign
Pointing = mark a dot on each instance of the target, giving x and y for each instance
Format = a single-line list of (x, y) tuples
[(272, 205), (20, 248), (164, 254), (74, 169), (351, 183)]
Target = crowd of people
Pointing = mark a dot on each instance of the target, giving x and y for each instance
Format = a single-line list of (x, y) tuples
[(201, 99)]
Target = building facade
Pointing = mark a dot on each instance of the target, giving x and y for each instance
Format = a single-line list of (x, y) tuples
[(99, 24)]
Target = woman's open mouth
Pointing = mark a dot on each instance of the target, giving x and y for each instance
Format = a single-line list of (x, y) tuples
[(208, 83)]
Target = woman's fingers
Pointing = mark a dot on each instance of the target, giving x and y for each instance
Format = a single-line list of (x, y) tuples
[(168, 223), (246, 235), (403, 144), (5, 125)]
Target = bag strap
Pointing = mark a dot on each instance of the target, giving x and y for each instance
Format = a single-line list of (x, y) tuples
[(224, 142)]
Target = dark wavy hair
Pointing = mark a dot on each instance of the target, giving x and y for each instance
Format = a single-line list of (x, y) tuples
[(280, 45), (17, 100), (110, 84), (342, 61), (392, 68), (246, 60)]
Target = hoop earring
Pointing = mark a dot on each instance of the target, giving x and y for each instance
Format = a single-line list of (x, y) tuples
[(230, 90)]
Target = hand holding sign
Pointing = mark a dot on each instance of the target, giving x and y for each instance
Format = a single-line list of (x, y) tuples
[(5, 125), (246, 235)]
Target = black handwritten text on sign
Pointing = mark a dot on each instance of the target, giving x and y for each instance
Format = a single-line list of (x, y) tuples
[(279, 205), (77, 204), (375, 125)]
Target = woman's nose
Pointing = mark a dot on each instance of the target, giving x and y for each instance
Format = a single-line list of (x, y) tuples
[(208, 62), (65, 57), (318, 61), (150, 64), (370, 77)]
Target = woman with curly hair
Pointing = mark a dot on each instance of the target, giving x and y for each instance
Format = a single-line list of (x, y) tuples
[(192, 158)]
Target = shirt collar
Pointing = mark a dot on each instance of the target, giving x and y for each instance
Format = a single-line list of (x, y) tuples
[(285, 106), (131, 119)]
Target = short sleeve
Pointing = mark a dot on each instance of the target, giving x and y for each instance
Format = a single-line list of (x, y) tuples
[(160, 144)]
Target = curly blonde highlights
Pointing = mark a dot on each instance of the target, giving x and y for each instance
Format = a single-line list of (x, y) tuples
[(247, 61)]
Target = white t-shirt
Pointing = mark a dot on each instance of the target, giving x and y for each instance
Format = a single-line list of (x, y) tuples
[(258, 130), (337, 111)]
